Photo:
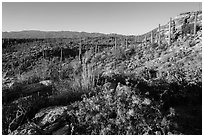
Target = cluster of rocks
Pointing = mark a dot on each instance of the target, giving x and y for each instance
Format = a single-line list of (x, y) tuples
[(51, 120)]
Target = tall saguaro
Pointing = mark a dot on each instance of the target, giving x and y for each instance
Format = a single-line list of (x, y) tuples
[(95, 65), (115, 44), (96, 50), (115, 51), (136, 39), (195, 23), (145, 39), (126, 43), (43, 51), (80, 51), (159, 36), (61, 54), (60, 71), (151, 36), (173, 27), (170, 20)]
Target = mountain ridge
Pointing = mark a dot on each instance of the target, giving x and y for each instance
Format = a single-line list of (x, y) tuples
[(47, 34), (33, 34)]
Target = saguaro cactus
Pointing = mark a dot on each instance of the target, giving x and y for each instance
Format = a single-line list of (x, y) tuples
[(80, 51), (61, 54), (173, 27), (115, 51), (60, 69), (159, 36), (145, 39), (195, 23), (96, 49), (43, 51), (126, 43), (115, 44), (170, 20), (136, 39), (152, 37)]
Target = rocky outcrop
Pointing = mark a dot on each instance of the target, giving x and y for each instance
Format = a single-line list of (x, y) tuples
[(28, 129), (38, 106), (51, 120), (20, 100), (11, 94)]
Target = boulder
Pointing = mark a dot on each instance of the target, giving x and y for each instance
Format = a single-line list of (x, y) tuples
[(28, 129), (49, 115), (19, 90), (122, 90), (46, 82), (21, 103), (19, 111), (62, 131), (52, 119)]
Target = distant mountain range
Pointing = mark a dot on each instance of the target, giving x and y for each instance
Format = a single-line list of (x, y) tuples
[(33, 34), (36, 34)]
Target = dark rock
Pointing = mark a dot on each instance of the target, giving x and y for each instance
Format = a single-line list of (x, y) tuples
[(62, 131), (49, 116), (51, 119), (28, 129), (16, 92), (19, 111)]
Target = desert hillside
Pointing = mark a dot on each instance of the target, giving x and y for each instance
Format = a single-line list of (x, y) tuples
[(80, 83)]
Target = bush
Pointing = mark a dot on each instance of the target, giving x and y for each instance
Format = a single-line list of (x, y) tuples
[(119, 112), (187, 29), (120, 54), (154, 45)]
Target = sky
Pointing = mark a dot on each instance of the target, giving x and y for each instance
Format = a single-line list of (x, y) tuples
[(128, 18)]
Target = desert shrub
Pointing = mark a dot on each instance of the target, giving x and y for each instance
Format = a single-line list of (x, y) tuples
[(187, 29), (43, 71), (157, 54), (119, 112), (67, 72), (193, 75), (163, 46), (33, 79), (176, 75), (192, 43), (154, 45), (183, 75), (28, 78), (97, 58), (120, 54)]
